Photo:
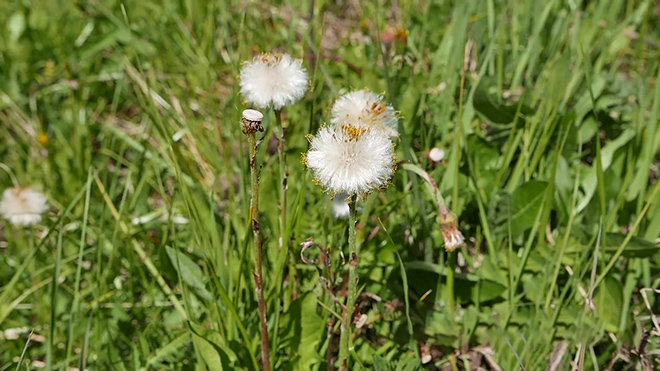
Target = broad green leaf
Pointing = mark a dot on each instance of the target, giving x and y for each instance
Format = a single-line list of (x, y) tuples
[(590, 181), (486, 103), (609, 301), (208, 353), (465, 284), (168, 349), (303, 333), (525, 204), (189, 272), (213, 348), (533, 287)]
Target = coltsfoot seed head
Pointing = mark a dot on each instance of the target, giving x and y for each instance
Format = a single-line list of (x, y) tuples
[(273, 80), (23, 206), (351, 159), (364, 109)]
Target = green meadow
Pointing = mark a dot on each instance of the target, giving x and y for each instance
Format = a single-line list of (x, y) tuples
[(127, 116)]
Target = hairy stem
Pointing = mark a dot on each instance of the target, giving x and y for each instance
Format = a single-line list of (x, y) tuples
[(344, 340), (254, 215), (281, 148)]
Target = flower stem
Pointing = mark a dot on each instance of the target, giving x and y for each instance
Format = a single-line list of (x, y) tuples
[(254, 215), (281, 155), (449, 299), (344, 340)]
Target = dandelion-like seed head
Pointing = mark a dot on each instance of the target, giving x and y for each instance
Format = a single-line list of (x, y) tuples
[(436, 154), (273, 80), (363, 108), (23, 206), (451, 235), (351, 159)]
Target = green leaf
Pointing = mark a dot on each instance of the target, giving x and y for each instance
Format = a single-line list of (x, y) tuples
[(189, 272), (609, 301), (637, 247), (466, 283), (169, 349), (380, 363), (212, 348), (303, 333), (590, 181), (445, 330), (486, 102), (525, 204), (533, 287)]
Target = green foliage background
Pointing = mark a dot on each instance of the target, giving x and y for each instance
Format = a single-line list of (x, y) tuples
[(127, 115)]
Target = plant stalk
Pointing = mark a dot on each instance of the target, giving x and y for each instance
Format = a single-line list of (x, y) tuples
[(281, 155), (344, 340), (450, 302), (254, 215)]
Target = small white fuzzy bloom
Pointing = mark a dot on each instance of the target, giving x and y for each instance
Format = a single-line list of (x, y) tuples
[(273, 80), (436, 154), (365, 109), (23, 206), (340, 207), (349, 159)]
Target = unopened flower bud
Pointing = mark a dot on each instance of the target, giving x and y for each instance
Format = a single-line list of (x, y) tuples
[(251, 121)]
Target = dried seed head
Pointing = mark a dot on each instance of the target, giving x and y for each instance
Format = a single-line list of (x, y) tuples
[(452, 237), (251, 121)]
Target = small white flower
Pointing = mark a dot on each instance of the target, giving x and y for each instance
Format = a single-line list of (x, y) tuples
[(273, 80), (349, 159), (340, 207), (23, 206), (365, 109)]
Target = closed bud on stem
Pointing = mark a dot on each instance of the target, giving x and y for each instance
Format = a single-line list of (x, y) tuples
[(251, 121)]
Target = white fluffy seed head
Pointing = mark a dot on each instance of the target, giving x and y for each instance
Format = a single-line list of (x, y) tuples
[(273, 80), (340, 207), (349, 159), (436, 154), (23, 206), (363, 108)]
